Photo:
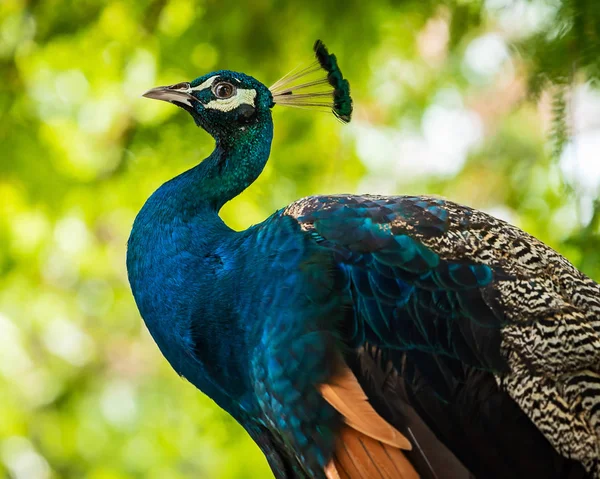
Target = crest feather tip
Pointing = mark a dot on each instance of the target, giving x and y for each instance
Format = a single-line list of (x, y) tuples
[(310, 94)]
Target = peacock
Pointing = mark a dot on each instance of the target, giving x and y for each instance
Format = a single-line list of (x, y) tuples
[(364, 336)]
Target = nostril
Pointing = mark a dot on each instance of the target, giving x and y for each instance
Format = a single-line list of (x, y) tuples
[(180, 86)]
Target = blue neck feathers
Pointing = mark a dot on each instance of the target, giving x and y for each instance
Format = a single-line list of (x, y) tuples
[(181, 259), (236, 162)]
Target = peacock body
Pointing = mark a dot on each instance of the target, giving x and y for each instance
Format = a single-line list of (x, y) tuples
[(365, 336)]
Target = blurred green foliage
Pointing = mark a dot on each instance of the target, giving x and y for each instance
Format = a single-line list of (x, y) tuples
[(444, 105)]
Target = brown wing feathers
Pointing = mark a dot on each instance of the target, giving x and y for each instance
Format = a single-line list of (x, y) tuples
[(358, 456), (347, 396), (368, 446)]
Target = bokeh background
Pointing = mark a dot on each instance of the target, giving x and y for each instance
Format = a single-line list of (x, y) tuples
[(491, 103)]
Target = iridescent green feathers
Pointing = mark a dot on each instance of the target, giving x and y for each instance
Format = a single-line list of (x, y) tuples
[(331, 92)]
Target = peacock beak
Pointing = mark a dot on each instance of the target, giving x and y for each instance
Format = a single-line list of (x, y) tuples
[(181, 93)]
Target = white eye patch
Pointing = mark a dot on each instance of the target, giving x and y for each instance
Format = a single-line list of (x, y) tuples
[(205, 84), (242, 97)]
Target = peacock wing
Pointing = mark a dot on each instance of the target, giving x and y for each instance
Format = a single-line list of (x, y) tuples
[(470, 313)]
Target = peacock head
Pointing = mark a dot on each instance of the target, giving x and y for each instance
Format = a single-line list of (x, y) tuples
[(223, 102), (219, 102)]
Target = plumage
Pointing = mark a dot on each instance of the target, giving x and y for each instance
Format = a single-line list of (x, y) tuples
[(359, 336), (480, 289)]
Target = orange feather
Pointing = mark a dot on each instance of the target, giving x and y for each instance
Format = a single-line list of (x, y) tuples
[(349, 399), (367, 446), (360, 457)]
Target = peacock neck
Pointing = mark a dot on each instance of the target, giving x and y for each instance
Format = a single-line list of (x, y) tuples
[(237, 160), (177, 251)]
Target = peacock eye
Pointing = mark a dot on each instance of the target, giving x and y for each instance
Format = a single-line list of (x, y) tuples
[(224, 90)]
